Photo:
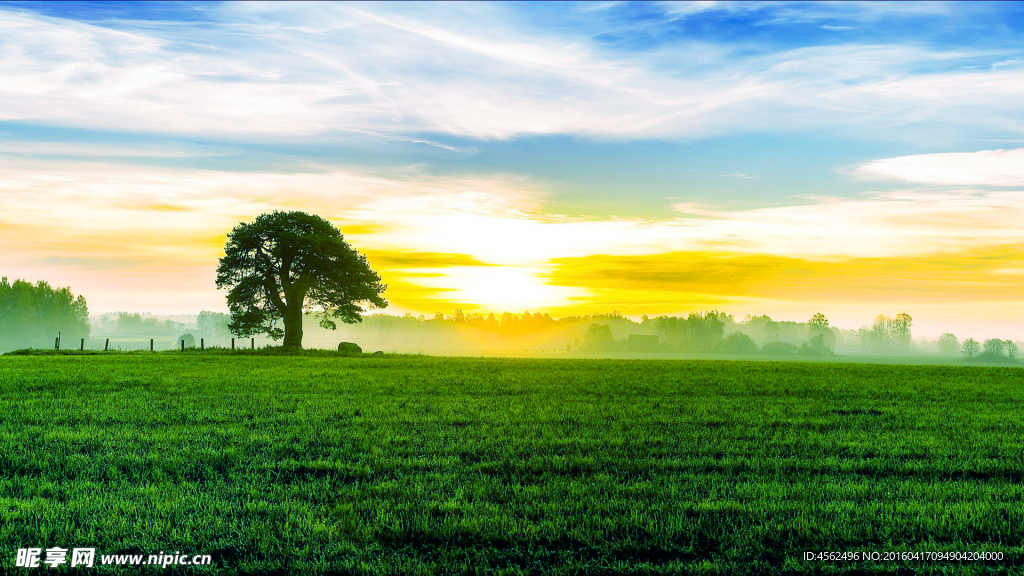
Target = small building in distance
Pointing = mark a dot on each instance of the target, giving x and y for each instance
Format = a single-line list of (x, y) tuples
[(642, 343)]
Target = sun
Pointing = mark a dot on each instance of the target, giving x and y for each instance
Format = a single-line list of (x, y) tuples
[(498, 288)]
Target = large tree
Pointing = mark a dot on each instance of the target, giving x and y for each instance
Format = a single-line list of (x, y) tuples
[(285, 264)]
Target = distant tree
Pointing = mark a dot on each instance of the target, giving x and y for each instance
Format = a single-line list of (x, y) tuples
[(899, 330), (994, 347), (698, 332), (492, 323), (877, 337), (213, 324), (286, 263), (970, 348), (738, 343), (817, 330), (887, 334), (128, 323), (31, 315), (598, 337), (1011, 349), (818, 324), (190, 340), (816, 346), (948, 345), (763, 328), (705, 329)]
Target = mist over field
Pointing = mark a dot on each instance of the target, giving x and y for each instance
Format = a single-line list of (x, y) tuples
[(41, 316), (599, 335), (526, 334)]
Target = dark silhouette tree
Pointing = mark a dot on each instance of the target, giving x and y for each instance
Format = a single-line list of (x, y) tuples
[(284, 264)]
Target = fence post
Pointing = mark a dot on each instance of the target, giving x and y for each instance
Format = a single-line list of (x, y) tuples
[(182, 344), (232, 343), (253, 343), (202, 344), (150, 344), (107, 345), (82, 347)]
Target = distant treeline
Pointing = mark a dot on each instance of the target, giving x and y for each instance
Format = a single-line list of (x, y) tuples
[(121, 324), (698, 332), (31, 315)]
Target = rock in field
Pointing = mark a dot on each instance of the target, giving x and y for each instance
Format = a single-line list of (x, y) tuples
[(349, 348)]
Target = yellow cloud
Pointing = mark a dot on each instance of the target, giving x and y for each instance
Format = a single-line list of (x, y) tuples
[(660, 283), (405, 259)]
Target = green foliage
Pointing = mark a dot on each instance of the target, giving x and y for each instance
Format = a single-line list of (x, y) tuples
[(286, 263), (213, 324), (31, 315), (888, 335), (816, 346), (128, 324), (190, 340), (419, 465), (948, 345), (738, 343), (698, 332), (994, 347), (598, 338), (970, 348)]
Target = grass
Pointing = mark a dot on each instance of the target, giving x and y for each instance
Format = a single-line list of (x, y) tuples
[(420, 465)]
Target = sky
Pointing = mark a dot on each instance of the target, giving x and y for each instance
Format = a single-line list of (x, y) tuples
[(781, 158)]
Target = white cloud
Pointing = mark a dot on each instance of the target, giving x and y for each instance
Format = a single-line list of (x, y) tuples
[(983, 168), (312, 70)]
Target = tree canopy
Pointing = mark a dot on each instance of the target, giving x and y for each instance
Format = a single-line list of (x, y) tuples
[(285, 264), (32, 314)]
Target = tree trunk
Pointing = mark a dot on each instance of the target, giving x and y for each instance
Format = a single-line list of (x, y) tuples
[(293, 327)]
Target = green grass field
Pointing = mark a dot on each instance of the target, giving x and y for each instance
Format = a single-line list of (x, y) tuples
[(419, 465)]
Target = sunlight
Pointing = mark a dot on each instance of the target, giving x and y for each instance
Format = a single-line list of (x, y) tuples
[(497, 288)]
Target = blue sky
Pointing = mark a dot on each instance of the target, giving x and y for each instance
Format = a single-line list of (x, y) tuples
[(607, 128)]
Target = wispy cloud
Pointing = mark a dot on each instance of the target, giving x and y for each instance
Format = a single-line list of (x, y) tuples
[(312, 70)]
